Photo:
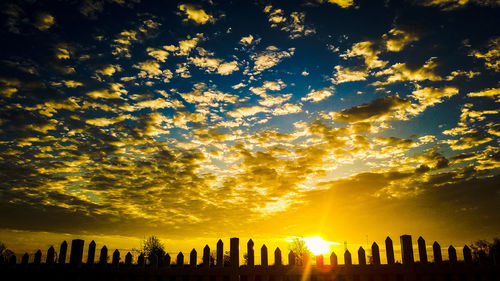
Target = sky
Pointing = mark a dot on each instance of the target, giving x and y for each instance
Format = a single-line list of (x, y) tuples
[(347, 119)]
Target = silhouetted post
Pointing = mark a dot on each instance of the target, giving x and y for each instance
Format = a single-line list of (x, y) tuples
[(422, 250), (452, 254), (467, 255), (62, 252), (389, 249), (305, 259), (116, 258), (166, 260), (25, 259), (192, 258), (277, 257), (220, 253), (347, 258), (234, 252), (263, 256), (180, 260), (436, 251), (103, 258), (291, 258), (496, 257), (375, 254), (361, 256), (141, 260), (12, 260), (406, 249), (333, 259), (206, 256), (250, 253), (319, 260), (49, 260), (76, 255), (128, 259), (153, 259), (91, 255), (38, 258)]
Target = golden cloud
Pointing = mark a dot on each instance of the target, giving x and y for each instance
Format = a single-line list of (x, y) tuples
[(196, 14)]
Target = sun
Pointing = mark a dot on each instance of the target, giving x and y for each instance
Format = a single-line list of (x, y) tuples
[(317, 245)]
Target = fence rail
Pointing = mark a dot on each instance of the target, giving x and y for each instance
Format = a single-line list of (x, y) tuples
[(115, 267)]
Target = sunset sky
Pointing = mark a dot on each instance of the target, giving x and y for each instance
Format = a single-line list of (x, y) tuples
[(346, 119)]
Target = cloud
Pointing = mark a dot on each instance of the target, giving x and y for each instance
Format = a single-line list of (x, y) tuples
[(215, 65), (158, 54), (456, 73), (246, 111), (185, 46), (340, 3), (493, 93), (269, 58), (151, 69), (398, 38), (196, 14), (72, 83), (491, 56), (294, 24), (249, 40), (115, 92), (346, 74), (318, 95), (109, 69), (368, 52), (455, 4), (401, 72), (377, 110), (44, 21), (467, 142), (125, 39), (287, 108), (104, 122), (204, 96)]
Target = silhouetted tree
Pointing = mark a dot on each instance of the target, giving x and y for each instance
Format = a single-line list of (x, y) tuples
[(299, 248), (152, 245), (482, 249), (5, 253), (226, 258)]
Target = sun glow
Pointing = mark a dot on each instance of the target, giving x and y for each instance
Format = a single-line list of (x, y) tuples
[(317, 245)]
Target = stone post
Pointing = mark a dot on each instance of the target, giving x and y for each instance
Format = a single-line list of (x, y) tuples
[(263, 256), (25, 259), (193, 256), (361, 256), (103, 258), (180, 260), (436, 251), (220, 253), (91, 255), (128, 259), (422, 250), (140, 260), (62, 252), (375, 254), (389, 249), (38, 257), (319, 260), (250, 253), (291, 258), (467, 255), (452, 254), (347, 258), (333, 259), (166, 260), (49, 260), (234, 252), (406, 249), (277, 257), (76, 255), (206, 256), (116, 258)]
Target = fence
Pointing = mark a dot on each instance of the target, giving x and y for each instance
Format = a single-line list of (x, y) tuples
[(297, 269)]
